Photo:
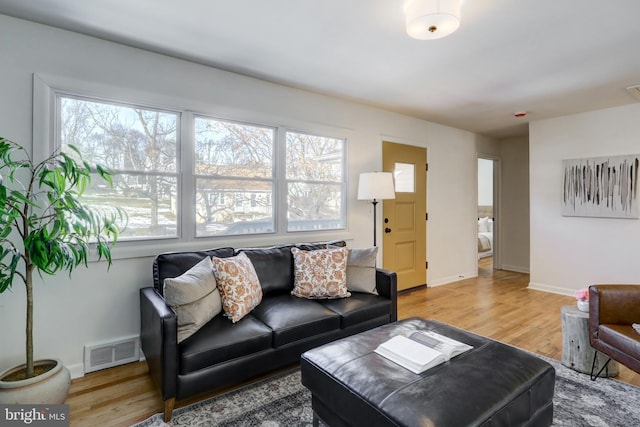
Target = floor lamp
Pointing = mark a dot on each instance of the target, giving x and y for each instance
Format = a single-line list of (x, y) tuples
[(376, 186)]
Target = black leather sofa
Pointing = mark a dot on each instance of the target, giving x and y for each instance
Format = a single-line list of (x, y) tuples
[(272, 336)]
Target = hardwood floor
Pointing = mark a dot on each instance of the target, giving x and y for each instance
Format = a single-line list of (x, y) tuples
[(496, 304)]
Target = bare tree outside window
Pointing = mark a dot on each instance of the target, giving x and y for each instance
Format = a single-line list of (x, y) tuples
[(235, 162), (314, 171), (140, 147)]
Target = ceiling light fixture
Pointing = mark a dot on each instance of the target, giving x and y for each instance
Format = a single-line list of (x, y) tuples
[(432, 19)]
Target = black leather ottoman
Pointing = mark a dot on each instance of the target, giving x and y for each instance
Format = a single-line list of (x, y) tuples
[(491, 385)]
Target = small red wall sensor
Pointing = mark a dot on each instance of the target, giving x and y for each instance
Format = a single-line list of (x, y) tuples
[(520, 114)]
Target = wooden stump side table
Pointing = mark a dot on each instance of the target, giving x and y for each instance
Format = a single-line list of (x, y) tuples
[(577, 352)]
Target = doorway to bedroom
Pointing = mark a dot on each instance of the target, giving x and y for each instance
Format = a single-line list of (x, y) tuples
[(487, 214)]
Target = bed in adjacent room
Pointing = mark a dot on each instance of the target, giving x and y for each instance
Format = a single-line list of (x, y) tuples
[(485, 231)]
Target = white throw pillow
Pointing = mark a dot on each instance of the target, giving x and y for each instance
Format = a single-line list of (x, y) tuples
[(194, 297), (483, 225), (361, 270)]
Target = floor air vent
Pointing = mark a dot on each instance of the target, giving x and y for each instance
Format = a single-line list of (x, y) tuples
[(111, 354)]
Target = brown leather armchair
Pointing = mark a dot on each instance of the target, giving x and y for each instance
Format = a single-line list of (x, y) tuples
[(612, 310)]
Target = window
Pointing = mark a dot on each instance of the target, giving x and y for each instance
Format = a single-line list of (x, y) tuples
[(237, 159), (216, 199), (404, 177), (315, 184), (140, 146), (225, 178)]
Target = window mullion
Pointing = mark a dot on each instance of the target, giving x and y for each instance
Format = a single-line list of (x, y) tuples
[(280, 182), (187, 180)]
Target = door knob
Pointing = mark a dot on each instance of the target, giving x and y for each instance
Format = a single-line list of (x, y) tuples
[(387, 230)]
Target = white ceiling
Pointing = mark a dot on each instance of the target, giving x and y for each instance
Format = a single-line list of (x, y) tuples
[(546, 57)]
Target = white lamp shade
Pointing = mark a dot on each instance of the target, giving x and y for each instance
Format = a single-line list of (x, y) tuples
[(432, 19), (376, 186)]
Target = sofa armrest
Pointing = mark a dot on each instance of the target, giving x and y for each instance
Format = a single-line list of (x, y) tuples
[(387, 286), (159, 340)]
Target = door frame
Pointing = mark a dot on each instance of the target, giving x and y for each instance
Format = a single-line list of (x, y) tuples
[(497, 190)]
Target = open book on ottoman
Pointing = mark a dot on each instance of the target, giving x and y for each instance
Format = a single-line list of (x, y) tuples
[(422, 350)]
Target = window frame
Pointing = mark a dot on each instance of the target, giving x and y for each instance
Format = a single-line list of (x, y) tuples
[(45, 90)]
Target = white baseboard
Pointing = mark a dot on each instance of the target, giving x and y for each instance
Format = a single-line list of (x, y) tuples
[(76, 370), (451, 279), (515, 268), (552, 289)]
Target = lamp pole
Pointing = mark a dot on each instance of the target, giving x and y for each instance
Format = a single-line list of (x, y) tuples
[(374, 202)]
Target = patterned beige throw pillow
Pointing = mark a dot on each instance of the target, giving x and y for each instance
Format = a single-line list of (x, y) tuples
[(194, 297), (320, 274), (238, 284)]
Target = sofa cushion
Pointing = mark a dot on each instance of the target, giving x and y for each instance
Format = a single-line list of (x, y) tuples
[(238, 284), (220, 341), (293, 319), (361, 270), (173, 264), (359, 308), (274, 267), (194, 297), (320, 274)]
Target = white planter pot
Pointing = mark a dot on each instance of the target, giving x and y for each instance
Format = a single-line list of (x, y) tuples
[(51, 387), (583, 306)]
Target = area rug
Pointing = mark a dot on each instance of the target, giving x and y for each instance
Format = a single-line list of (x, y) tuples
[(282, 401)]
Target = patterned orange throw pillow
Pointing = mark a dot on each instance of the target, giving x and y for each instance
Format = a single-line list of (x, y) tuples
[(238, 284), (320, 274)]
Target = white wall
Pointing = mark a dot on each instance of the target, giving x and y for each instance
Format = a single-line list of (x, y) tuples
[(569, 253), (485, 182), (514, 214), (96, 305), (452, 226)]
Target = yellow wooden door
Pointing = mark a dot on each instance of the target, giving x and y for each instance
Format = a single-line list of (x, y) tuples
[(404, 219)]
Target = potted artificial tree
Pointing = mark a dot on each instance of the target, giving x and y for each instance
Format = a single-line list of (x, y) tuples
[(46, 227)]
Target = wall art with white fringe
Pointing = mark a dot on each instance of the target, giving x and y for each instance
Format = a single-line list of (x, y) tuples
[(601, 187)]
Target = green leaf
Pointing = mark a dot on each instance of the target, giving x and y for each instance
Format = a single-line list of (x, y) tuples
[(74, 148), (18, 197), (105, 175)]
